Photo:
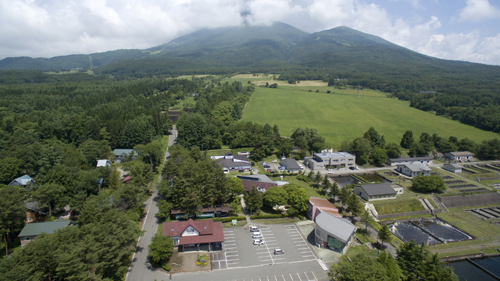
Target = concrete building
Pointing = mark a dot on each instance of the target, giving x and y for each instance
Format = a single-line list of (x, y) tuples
[(413, 170), (333, 233), (330, 160), (410, 160), (372, 192)]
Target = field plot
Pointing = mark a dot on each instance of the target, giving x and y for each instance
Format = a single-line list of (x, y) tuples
[(343, 116)]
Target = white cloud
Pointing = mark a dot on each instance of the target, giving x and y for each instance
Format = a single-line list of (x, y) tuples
[(45, 28), (478, 10)]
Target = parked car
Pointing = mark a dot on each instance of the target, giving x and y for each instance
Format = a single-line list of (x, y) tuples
[(301, 167), (258, 242), (254, 229), (272, 172), (279, 251), (281, 168), (241, 171), (275, 161), (269, 170), (266, 166), (256, 235)]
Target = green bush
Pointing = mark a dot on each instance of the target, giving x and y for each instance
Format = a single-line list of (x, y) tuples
[(269, 216), (229, 219), (166, 266)]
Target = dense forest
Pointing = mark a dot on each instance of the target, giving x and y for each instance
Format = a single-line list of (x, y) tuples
[(54, 130)]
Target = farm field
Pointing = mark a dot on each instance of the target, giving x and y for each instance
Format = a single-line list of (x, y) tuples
[(341, 115)]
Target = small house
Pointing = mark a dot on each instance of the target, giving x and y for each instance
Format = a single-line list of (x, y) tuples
[(103, 163), (121, 155), (34, 213), (22, 181), (290, 165), (32, 230), (452, 167), (372, 192), (412, 170)]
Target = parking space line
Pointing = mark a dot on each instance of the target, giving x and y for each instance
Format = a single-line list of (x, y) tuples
[(299, 277), (316, 279)]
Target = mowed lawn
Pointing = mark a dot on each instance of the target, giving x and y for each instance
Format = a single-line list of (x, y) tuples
[(341, 115)]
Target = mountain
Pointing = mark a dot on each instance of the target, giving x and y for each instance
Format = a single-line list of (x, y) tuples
[(279, 47)]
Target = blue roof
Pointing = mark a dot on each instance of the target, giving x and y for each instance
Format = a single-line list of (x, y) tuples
[(24, 180)]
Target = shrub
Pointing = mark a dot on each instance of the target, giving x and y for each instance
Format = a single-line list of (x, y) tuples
[(166, 266), (229, 219)]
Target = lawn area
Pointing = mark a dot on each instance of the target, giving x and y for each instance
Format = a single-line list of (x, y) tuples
[(310, 191), (400, 205), (470, 223), (342, 116)]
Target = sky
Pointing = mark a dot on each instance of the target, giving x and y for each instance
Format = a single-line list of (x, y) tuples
[(467, 30)]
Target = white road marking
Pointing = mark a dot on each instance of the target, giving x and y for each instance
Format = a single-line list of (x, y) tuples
[(316, 279), (291, 277), (322, 264), (299, 277)]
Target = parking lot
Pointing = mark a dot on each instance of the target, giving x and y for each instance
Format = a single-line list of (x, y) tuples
[(239, 250)]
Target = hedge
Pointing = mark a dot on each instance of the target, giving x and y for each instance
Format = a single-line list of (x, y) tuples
[(229, 219)]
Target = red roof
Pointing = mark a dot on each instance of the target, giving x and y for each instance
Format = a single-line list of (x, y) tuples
[(127, 178), (210, 231), (320, 202)]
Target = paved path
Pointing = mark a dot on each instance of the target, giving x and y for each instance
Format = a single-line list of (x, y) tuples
[(138, 266)]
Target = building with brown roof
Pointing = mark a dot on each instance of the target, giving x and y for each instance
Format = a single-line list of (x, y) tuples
[(195, 235), (319, 205)]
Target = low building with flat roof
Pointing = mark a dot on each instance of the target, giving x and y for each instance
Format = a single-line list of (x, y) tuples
[(372, 192), (410, 160)]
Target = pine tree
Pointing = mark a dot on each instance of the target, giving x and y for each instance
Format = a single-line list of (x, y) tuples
[(384, 234)]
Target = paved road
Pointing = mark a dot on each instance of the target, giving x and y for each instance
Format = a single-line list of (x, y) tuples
[(298, 271), (138, 266)]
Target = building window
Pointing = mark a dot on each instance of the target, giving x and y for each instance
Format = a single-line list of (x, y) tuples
[(26, 239)]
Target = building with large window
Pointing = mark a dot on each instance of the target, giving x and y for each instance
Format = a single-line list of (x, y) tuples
[(330, 160), (333, 233)]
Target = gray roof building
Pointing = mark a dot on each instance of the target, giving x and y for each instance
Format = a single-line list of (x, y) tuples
[(378, 189), (339, 228), (290, 164)]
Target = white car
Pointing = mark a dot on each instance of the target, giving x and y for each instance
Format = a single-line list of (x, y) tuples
[(275, 161), (279, 252), (256, 235), (254, 229), (258, 242)]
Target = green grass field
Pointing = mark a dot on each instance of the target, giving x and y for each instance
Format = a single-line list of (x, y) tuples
[(341, 115)]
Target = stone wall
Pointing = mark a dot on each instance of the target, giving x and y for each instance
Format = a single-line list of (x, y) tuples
[(470, 200)]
